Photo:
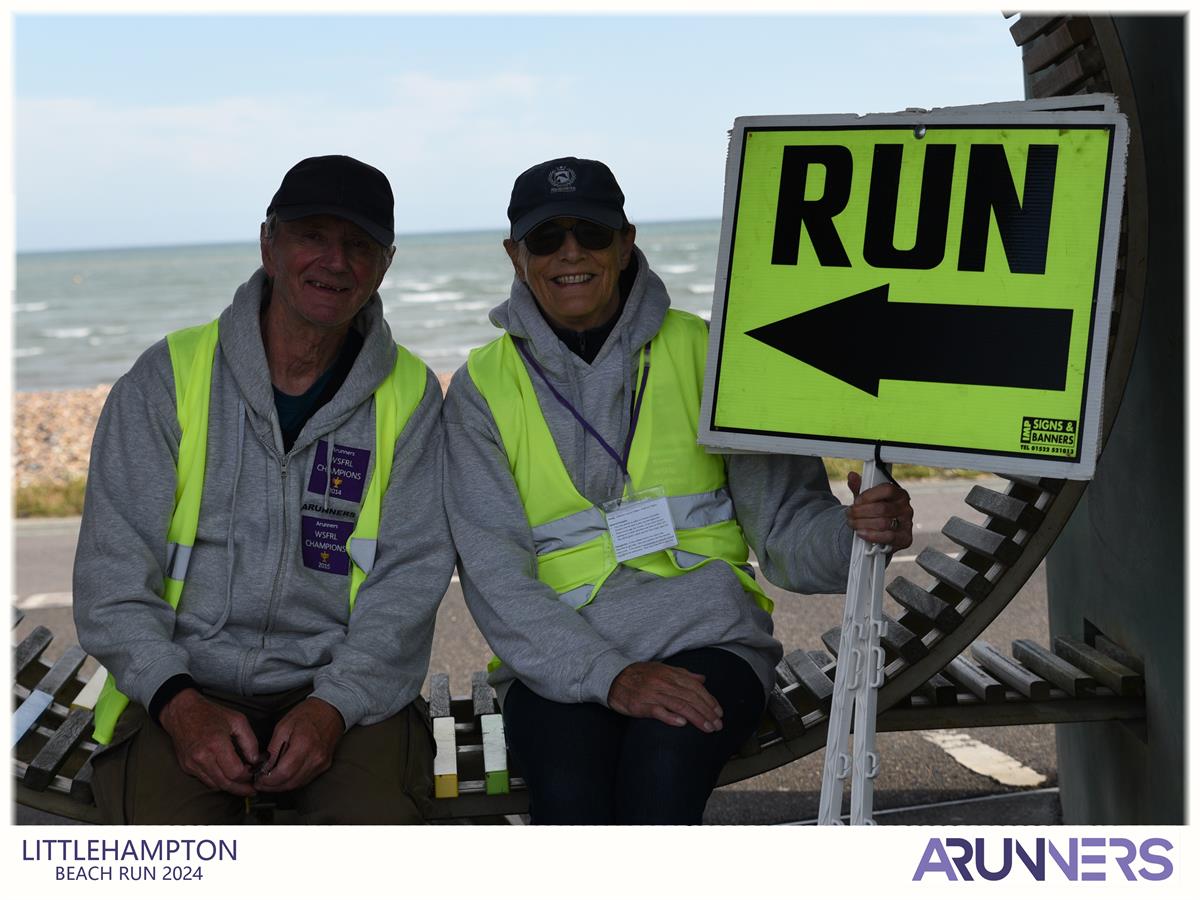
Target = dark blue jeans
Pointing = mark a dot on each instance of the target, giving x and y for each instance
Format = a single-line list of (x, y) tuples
[(585, 764)]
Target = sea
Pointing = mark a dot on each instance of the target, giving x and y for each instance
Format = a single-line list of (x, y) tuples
[(81, 318)]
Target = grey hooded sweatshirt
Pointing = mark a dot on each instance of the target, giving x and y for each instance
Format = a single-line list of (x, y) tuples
[(265, 606), (796, 527)]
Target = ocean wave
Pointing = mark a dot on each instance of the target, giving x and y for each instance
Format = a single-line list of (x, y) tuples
[(30, 307), (678, 269), (472, 305), (20, 352), (460, 351), (66, 333), (475, 276), (700, 288), (431, 297)]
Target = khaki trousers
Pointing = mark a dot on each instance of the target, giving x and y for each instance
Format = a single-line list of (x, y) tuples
[(382, 774)]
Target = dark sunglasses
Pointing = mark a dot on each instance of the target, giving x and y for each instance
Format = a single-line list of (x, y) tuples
[(549, 236)]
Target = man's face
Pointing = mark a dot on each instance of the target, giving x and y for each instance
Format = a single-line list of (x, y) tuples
[(576, 287), (323, 269)]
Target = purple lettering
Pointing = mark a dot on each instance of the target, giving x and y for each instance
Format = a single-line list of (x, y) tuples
[(1166, 867), (1069, 866), (980, 863), (1130, 855), (961, 862), (1037, 866), (928, 866)]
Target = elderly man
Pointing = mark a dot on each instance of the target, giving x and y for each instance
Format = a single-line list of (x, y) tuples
[(263, 545), (603, 554)]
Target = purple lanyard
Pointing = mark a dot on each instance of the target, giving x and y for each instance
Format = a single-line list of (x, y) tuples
[(623, 460)]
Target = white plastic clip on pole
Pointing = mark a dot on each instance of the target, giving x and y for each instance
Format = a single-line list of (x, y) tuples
[(866, 759), (859, 673)]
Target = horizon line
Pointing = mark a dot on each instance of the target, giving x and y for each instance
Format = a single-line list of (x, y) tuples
[(47, 251)]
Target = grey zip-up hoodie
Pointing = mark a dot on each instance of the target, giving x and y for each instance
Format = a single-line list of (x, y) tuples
[(265, 606), (796, 527)]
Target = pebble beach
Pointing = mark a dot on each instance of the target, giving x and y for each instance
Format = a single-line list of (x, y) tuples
[(52, 433)]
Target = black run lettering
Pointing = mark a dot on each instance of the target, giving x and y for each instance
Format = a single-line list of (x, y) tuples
[(1024, 225), (879, 247), (793, 212)]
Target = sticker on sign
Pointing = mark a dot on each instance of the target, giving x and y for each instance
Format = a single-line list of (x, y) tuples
[(937, 284)]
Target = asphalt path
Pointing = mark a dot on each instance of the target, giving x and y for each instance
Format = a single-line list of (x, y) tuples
[(915, 771)]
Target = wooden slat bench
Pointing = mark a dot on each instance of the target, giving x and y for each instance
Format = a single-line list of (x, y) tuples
[(52, 771)]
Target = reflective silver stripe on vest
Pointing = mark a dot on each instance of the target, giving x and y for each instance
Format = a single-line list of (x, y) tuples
[(362, 551), (698, 510), (576, 597), (178, 557), (687, 511), (685, 559), (569, 531)]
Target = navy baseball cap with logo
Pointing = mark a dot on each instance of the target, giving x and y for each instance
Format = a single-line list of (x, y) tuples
[(578, 188), (337, 186)]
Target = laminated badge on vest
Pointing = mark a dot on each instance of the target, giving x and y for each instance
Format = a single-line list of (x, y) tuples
[(326, 530), (640, 523)]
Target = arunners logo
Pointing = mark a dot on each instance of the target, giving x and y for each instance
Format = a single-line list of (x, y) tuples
[(1054, 437), (962, 859), (561, 178)]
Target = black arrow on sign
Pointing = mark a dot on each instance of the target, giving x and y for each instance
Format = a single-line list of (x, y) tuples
[(863, 338)]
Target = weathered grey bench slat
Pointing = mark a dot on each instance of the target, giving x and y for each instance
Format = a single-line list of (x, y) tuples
[(976, 538), (51, 757), (439, 695), (1118, 653), (789, 720), (940, 691), (1053, 668), (483, 698), (954, 573), (975, 680), (925, 609), (813, 684), (31, 648), (1010, 672), (1007, 508), (1122, 681)]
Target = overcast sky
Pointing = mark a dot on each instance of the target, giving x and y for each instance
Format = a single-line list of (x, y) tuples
[(143, 130)]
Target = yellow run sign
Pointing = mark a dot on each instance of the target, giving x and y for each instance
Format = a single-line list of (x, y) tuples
[(937, 285)]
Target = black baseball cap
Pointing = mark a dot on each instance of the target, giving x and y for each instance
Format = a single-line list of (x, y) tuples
[(337, 186), (568, 186)]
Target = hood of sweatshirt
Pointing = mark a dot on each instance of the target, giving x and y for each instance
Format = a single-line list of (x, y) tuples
[(642, 316), (242, 347)]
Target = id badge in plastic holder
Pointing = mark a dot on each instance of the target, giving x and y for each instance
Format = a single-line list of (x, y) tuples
[(640, 523)]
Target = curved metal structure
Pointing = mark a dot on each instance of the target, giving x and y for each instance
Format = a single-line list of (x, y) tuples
[(1063, 55)]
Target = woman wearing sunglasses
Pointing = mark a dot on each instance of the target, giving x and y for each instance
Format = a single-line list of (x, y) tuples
[(600, 551)]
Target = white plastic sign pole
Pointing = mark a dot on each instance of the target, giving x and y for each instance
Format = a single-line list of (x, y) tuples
[(856, 673)]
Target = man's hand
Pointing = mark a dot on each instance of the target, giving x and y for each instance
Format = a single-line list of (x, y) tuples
[(882, 514), (301, 746), (212, 743), (653, 690)]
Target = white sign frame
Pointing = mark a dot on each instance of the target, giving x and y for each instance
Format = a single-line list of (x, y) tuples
[(1052, 112)]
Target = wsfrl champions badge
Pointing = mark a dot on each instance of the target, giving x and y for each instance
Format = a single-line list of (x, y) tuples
[(939, 284)]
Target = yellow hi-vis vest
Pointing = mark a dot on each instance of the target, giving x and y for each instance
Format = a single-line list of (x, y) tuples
[(192, 353), (571, 538)]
